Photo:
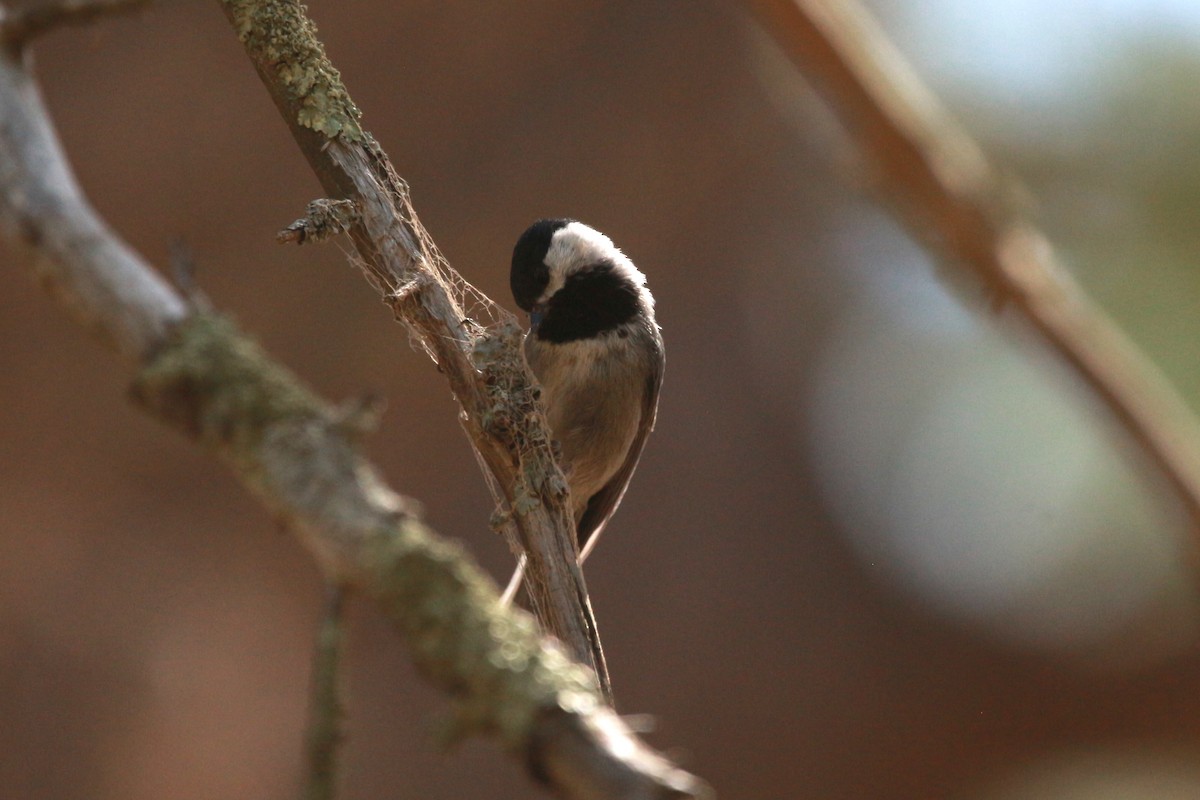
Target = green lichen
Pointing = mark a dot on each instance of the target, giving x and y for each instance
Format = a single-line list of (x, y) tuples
[(278, 35), (221, 387), (501, 671)]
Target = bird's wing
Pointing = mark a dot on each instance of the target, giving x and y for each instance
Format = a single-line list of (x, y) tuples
[(604, 502)]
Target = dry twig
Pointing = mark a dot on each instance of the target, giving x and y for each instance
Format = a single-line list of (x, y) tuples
[(322, 220)]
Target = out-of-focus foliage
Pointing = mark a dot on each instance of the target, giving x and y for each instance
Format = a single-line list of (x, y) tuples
[(1117, 184)]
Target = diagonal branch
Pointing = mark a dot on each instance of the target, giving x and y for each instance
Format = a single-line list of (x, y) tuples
[(941, 186), (484, 365), (300, 455)]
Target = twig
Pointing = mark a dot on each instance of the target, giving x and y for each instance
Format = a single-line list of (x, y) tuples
[(18, 28), (486, 371), (324, 734), (941, 186), (323, 219), (200, 375)]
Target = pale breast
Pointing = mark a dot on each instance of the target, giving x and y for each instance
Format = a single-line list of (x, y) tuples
[(593, 394)]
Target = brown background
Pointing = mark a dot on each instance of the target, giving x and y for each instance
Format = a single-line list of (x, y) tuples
[(155, 627)]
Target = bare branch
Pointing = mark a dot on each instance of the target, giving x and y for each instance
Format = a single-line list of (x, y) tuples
[(944, 190), (484, 365), (18, 28), (91, 271), (300, 455)]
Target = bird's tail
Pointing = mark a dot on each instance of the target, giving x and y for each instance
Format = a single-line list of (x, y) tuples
[(514, 583), (518, 576)]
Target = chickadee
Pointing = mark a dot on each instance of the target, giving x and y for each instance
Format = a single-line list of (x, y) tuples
[(595, 347)]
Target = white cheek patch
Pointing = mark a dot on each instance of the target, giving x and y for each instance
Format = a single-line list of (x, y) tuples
[(555, 283), (576, 246)]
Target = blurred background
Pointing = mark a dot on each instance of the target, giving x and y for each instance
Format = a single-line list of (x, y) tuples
[(880, 545)]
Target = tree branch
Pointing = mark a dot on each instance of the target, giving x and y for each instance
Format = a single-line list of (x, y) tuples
[(20, 27), (484, 365), (93, 273), (323, 736), (942, 187), (300, 455)]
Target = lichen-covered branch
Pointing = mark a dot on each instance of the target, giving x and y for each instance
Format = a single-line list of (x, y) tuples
[(301, 456), (293, 450), (942, 187), (483, 364)]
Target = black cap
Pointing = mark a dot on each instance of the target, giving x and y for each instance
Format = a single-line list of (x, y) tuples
[(530, 274)]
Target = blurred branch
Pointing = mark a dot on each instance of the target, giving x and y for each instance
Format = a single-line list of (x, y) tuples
[(942, 187), (301, 456), (21, 26), (484, 366), (94, 274), (324, 734)]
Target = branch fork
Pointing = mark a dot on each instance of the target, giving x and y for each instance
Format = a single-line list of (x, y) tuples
[(20, 27)]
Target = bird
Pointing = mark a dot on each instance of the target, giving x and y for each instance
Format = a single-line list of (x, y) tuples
[(595, 347)]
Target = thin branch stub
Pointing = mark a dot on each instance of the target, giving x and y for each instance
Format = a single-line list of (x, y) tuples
[(323, 219)]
